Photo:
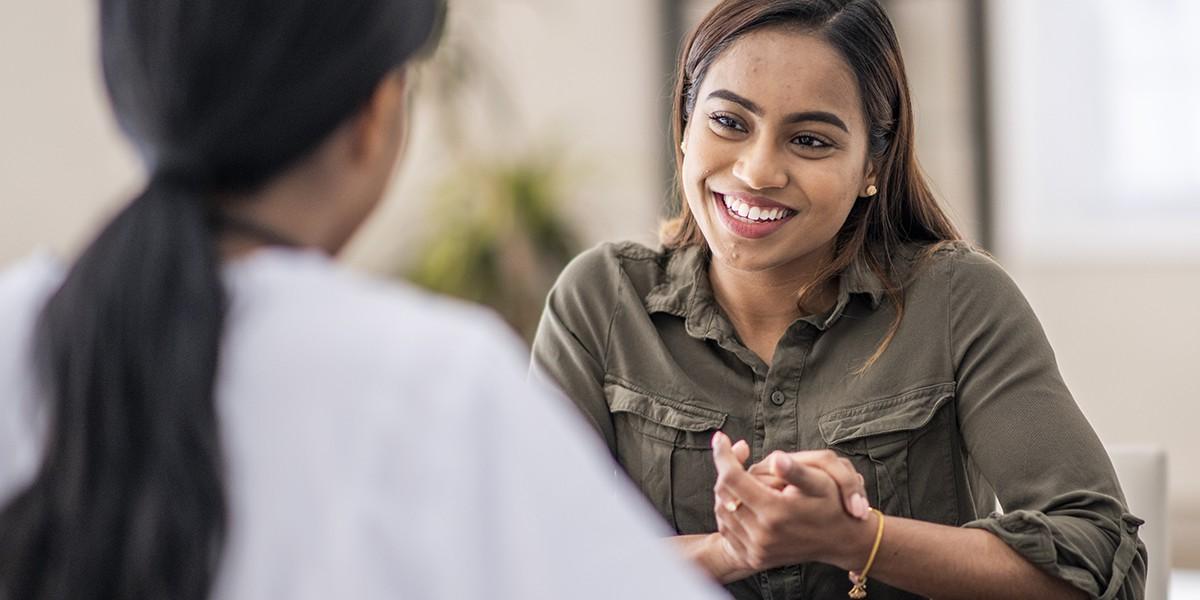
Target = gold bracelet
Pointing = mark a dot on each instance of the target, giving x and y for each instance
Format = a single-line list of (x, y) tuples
[(859, 591)]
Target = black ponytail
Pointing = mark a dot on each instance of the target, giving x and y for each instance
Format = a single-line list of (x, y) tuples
[(219, 96), (128, 502)]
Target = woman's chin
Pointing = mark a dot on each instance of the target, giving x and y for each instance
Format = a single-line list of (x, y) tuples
[(740, 258)]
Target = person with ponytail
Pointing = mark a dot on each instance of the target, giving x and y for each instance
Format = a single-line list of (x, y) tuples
[(204, 405), (812, 312)]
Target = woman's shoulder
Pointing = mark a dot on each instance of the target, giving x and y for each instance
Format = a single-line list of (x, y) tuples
[(605, 262), (24, 288), (344, 312), (965, 277), (968, 268), (956, 253), (610, 269), (32, 276)]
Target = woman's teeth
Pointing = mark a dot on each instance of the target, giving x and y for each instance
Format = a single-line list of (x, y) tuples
[(754, 213)]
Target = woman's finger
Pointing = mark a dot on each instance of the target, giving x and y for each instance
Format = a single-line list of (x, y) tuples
[(766, 474), (733, 482), (732, 526), (850, 483), (742, 451), (811, 481), (771, 480), (764, 466)]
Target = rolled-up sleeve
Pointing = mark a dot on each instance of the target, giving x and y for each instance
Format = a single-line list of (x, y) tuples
[(1064, 509)]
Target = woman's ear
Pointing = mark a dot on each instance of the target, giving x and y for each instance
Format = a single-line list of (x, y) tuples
[(379, 127), (870, 180)]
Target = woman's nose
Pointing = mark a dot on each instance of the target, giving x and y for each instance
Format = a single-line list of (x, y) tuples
[(760, 167)]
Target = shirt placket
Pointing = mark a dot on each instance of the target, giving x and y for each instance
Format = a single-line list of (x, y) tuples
[(778, 399)]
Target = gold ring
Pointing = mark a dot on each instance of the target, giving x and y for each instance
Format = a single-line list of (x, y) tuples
[(733, 505)]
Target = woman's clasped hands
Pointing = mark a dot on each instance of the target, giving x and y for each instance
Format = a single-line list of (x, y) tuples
[(790, 508)]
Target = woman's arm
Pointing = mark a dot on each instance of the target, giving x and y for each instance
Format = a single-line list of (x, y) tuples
[(804, 523), (712, 553), (940, 561), (1064, 510)]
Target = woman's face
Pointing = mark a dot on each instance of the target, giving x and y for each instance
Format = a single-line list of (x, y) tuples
[(775, 152)]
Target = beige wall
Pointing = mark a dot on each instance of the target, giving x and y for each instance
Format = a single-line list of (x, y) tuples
[(933, 34), (62, 164), (582, 78), (1126, 341)]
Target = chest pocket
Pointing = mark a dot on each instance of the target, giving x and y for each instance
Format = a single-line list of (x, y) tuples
[(904, 447), (664, 445)]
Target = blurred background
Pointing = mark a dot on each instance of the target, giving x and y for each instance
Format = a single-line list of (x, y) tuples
[(1064, 136)]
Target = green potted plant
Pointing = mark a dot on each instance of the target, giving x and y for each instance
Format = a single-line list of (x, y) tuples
[(507, 240)]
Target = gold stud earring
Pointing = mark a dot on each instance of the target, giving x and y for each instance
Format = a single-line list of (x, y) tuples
[(872, 190), (683, 146)]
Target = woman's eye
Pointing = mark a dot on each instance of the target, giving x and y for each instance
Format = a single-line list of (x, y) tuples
[(726, 122), (810, 141)]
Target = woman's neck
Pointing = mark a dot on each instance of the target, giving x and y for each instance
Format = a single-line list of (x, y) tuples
[(293, 210), (761, 305)]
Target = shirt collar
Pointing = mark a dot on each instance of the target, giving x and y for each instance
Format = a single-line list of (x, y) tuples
[(860, 279), (686, 292)]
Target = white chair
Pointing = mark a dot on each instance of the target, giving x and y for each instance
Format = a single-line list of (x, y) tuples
[(1142, 470)]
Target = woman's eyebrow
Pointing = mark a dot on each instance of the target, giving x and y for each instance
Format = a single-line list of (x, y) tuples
[(798, 117), (817, 115), (736, 99)]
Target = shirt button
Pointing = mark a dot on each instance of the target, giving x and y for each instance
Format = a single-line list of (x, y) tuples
[(777, 398)]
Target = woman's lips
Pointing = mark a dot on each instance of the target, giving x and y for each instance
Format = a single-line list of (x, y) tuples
[(759, 219)]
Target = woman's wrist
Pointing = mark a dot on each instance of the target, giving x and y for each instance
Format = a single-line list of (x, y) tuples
[(732, 569), (854, 546), (716, 557)]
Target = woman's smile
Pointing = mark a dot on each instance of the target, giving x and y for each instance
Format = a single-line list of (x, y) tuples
[(750, 216)]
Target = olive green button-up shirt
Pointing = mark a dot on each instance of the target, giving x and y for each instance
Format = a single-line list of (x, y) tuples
[(965, 406)]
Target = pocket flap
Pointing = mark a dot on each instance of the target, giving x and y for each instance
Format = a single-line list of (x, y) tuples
[(659, 409), (902, 412)]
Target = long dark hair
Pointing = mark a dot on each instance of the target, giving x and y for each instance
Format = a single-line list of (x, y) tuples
[(218, 96), (904, 211)]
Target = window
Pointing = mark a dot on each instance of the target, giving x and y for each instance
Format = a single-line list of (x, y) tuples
[(1096, 122)]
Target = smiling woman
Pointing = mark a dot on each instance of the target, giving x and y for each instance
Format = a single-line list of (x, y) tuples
[(837, 140), (813, 301), (791, 138)]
